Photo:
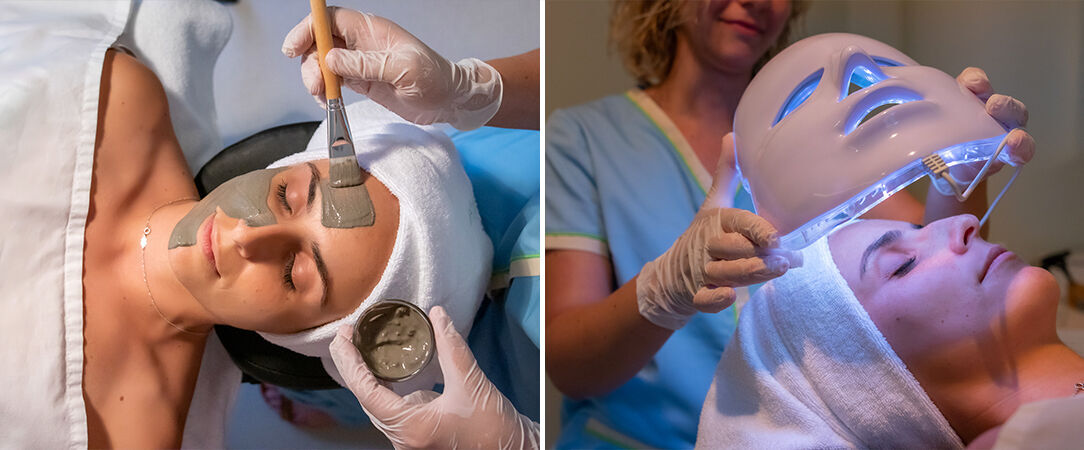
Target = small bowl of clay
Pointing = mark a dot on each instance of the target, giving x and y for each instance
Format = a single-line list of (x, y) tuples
[(395, 339)]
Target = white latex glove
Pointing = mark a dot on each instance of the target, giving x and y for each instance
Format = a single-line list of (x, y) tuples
[(471, 413), (379, 59), (1007, 110), (722, 249)]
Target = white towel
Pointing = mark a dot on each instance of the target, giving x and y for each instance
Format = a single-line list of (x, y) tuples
[(441, 254), (180, 42), (809, 369)]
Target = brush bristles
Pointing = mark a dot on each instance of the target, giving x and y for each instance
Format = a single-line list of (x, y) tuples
[(345, 172)]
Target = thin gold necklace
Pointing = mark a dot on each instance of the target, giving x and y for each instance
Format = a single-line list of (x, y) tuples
[(143, 266)]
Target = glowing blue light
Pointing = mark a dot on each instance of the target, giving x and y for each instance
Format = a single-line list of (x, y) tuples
[(858, 119), (799, 95), (873, 195)]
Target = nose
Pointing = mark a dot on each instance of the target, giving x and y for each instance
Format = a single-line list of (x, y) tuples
[(754, 6), (963, 230), (855, 70), (259, 243)]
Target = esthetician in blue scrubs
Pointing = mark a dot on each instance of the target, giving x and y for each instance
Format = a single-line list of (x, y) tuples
[(629, 178)]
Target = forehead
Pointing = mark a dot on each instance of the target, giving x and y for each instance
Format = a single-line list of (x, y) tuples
[(355, 257)]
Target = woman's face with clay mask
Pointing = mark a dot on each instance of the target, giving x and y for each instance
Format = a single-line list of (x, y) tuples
[(731, 35), (940, 289), (268, 251)]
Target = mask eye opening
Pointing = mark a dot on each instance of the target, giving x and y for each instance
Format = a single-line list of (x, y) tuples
[(878, 110), (885, 62), (799, 95)]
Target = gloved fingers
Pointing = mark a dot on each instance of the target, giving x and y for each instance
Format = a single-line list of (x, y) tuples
[(731, 246), (456, 359), (1007, 110), (362, 31), (299, 39), (311, 75), (345, 23), (744, 272), (363, 65), (377, 399), (794, 259), (1021, 147), (723, 175), (976, 81), (420, 397), (752, 226), (360, 86), (714, 299)]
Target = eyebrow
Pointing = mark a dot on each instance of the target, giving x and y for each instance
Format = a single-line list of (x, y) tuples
[(312, 184), (885, 239), (321, 268)]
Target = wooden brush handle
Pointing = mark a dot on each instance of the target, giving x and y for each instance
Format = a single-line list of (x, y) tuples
[(321, 27)]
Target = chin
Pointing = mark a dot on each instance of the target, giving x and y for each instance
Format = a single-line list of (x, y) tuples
[(182, 261), (1039, 281), (1034, 294)]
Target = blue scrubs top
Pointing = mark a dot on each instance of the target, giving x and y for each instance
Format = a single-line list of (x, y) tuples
[(503, 166), (621, 181)]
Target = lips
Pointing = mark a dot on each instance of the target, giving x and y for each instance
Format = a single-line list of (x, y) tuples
[(992, 257), (744, 25), (208, 246)]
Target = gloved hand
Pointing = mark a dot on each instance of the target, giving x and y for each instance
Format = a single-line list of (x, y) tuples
[(722, 249), (471, 413), (1020, 146), (379, 59)]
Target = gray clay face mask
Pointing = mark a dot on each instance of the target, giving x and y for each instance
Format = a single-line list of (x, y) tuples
[(346, 207), (245, 198)]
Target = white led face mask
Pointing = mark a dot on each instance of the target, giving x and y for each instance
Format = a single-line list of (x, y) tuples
[(836, 123)]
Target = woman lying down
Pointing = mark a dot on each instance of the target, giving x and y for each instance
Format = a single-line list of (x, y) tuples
[(107, 329), (892, 335)]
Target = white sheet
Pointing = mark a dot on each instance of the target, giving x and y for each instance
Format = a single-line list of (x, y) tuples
[(50, 67), (51, 57)]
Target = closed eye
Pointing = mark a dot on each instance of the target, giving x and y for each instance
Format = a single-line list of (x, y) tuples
[(905, 268), (288, 273), (282, 197)]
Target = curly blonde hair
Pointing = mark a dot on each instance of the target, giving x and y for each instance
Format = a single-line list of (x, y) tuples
[(644, 32)]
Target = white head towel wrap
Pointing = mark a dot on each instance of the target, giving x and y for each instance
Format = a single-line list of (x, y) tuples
[(441, 254), (809, 369)]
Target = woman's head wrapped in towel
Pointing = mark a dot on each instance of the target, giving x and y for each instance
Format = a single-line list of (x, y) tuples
[(867, 343), (420, 240)]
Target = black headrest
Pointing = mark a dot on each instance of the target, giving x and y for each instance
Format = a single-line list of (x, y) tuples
[(260, 360)]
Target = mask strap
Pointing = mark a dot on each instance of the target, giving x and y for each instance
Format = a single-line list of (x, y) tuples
[(946, 184), (1005, 189)]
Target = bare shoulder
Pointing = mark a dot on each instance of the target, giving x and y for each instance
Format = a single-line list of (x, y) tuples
[(131, 94), (137, 159)]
